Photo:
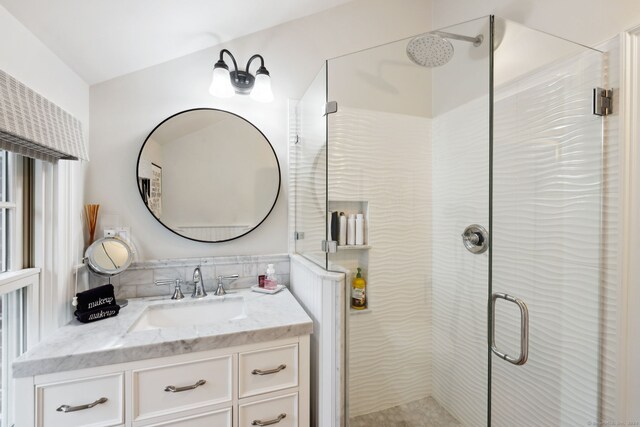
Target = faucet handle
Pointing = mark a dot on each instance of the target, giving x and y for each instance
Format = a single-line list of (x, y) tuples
[(177, 292), (220, 291), (221, 278)]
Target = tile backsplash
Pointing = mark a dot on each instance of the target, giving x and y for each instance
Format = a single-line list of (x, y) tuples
[(139, 279)]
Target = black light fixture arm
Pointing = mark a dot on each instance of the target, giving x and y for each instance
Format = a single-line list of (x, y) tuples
[(233, 59), (252, 59)]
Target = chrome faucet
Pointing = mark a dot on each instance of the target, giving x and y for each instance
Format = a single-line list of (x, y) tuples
[(220, 291), (198, 284)]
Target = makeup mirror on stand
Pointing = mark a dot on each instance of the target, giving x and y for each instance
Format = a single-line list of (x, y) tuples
[(108, 257)]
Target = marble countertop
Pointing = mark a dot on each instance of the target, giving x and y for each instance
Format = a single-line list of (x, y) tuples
[(108, 341)]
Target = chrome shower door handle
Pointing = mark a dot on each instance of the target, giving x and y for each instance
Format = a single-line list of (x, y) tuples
[(524, 329)]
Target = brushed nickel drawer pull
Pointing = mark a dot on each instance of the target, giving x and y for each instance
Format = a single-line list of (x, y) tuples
[(268, 371), (174, 389), (67, 408), (270, 422)]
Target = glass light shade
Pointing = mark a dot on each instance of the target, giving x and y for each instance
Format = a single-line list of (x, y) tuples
[(262, 88), (221, 83)]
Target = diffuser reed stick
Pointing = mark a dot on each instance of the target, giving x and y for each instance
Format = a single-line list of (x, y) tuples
[(91, 212)]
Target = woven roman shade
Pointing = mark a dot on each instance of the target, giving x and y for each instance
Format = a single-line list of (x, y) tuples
[(35, 127)]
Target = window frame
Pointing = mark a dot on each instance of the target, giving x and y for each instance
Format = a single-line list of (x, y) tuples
[(17, 278), (13, 184)]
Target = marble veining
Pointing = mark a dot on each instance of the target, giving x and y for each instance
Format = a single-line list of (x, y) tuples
[(77, 345)]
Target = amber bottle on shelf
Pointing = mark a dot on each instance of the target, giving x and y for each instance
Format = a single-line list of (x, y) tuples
[(358, 292)]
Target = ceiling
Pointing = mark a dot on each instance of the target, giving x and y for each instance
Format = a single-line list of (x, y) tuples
[(103, 39)]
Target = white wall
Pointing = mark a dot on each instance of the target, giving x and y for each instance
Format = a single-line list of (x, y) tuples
[(27, 59), (588, 22), (126, 109)]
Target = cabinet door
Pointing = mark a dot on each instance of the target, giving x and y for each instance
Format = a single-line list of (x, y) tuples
[(268, 370), (168, 389), (280, 411), (89, 402)]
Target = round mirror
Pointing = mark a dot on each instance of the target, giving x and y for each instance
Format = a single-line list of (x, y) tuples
[(208, 175), (108, 256)]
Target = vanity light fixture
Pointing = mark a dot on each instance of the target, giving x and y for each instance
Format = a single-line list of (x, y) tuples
[(225, 83)]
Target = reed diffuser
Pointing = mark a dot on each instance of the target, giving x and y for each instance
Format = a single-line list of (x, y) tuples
[(91, 212)]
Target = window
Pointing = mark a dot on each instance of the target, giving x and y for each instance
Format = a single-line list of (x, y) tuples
[(18, 285), (7, 208)]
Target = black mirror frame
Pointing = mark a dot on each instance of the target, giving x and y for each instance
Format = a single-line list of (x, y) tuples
[(275, 200)]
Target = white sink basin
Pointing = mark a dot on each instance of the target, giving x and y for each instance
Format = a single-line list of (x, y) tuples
[(177, 314)]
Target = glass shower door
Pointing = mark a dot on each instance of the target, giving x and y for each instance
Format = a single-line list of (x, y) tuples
[(547, 278), (309, 171)]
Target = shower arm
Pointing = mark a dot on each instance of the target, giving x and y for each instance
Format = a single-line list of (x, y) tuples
[(475, 40)]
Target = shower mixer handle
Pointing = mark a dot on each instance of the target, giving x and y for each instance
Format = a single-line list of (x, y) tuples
[(475, 238)]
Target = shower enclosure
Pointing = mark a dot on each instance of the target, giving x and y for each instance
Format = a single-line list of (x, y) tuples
[(486, 124)]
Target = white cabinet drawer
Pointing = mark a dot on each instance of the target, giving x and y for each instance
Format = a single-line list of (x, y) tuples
[(85, 400), (212, 419), (167, 389), (280, 411), (268, 370)]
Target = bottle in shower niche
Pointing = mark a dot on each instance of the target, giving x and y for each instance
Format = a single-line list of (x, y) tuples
[(342, 237), (270, 280), (359, 292), (351, 230), (360, 229)]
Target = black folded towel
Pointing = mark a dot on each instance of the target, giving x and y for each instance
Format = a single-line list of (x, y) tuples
[(95, 298), (97, 314)]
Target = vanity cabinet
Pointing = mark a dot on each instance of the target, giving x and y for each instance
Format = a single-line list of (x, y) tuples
[(246, 386)]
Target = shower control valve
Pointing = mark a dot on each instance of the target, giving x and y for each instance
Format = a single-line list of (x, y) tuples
[(475, 238)]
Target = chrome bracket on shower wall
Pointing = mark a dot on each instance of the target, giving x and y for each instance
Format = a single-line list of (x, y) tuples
[(602, 101), (330, 108)]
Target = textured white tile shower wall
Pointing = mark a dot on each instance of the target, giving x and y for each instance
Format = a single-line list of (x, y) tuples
[(547, 243), (460, 278), (384, 158)]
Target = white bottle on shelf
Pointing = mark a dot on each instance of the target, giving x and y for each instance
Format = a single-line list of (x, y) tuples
[(351, 230), (359, 229), (342, 236)]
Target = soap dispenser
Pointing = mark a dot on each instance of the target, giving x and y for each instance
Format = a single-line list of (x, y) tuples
[(270, 280)]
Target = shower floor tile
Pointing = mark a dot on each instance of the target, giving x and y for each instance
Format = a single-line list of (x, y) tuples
[(420, 413)]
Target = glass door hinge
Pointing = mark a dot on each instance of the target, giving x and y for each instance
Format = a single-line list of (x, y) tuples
[(602, 101), (329, 246), (330, 107)]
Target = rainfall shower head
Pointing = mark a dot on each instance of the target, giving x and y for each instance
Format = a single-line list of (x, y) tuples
[(433, 49)]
